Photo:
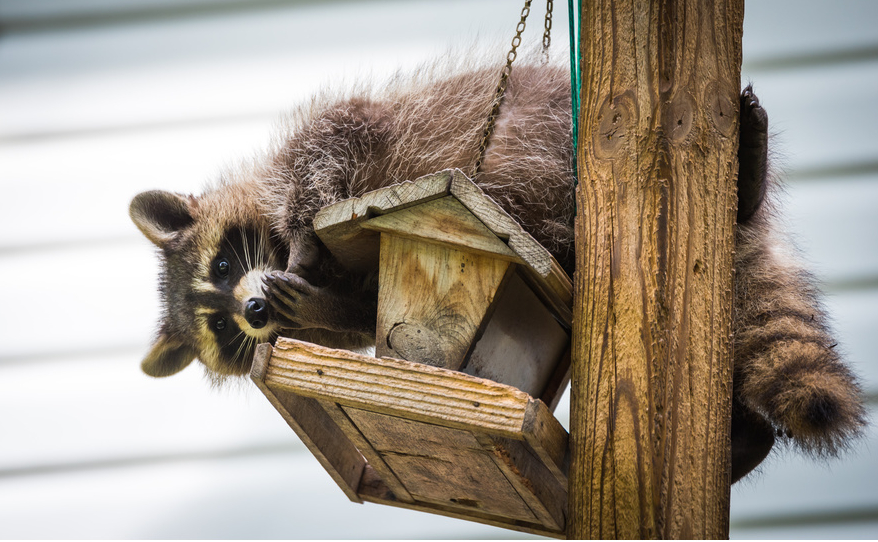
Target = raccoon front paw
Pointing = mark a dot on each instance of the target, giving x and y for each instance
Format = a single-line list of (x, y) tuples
[(752, 156), (293, 300)]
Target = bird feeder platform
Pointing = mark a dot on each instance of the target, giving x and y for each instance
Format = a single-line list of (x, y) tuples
[(453, 413)]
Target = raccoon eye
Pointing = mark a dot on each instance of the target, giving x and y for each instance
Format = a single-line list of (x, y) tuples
[(222, 267), (220, 324)]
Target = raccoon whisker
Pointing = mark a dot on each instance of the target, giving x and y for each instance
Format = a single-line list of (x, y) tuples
[(238, 257), (257, 255), (235, 338), (246, 250), (273, 252), (241, 347), (262, 249), (244, 346)]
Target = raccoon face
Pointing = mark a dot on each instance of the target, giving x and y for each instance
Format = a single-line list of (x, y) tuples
[(211, 285), (231, 315)]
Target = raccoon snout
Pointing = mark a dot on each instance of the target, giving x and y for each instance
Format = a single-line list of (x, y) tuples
[(256, 312)]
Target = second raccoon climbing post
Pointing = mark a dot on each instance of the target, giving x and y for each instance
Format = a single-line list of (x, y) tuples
[(652, 369)]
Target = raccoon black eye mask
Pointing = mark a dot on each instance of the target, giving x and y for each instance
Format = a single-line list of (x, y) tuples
[(242, 265)]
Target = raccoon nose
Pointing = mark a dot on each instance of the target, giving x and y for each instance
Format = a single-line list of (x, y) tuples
[(256, 312)]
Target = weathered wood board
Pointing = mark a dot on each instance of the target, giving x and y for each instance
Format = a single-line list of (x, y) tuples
[(347, 230), (411, 435), (432, 300), (462, 285)]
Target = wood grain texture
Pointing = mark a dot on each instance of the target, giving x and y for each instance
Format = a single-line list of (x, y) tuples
[(374, 460), (549, 440), (307, 418), (432, 439), (498, 221), (377, 494), (445, 222), (339, 226), (553, 282), (443, 466), (536, 488), (432, 300), (397, 387), (652, 361)]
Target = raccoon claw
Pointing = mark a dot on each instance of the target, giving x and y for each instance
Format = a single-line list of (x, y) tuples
[(289, 296), (754, 121), (290, 283)]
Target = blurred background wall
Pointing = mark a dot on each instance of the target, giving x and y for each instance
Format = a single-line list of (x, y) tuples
[(100, 99)]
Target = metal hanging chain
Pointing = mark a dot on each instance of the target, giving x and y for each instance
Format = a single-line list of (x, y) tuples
[(501, 88), (547, 33), (504, 76)]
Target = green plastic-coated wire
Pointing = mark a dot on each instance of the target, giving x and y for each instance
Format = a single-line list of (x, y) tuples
[(575, 81)]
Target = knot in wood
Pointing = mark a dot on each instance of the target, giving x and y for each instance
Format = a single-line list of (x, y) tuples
[(677, 117), (418, 343), (613, 127), (722, 103)]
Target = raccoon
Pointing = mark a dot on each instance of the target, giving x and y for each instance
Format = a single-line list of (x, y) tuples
[(242, 265)]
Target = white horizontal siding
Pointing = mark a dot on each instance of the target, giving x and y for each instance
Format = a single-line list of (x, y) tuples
[(101, 171), (822, 117), (265, 495), (96, 108)]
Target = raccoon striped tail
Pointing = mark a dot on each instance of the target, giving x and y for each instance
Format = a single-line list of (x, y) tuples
[(786, 362)]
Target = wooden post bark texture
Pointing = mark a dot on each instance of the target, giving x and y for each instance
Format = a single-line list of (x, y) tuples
[(658, 136)]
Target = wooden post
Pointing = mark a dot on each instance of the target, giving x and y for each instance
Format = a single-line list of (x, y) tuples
[(658, 135)]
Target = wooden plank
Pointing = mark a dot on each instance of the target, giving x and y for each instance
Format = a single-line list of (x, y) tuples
[(548, 439), (542, 492), (498, 221), (521, 344), (556, 290), (558, 382), (444, 221), (432, 300), (376, 496), (339, 225), (374, 490), (556, 285), (397, 388), (373, 458), (314, 427), (442, 466)]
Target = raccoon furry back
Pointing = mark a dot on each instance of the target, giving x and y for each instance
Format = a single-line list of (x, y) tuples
[(788, 378), (336, 147)]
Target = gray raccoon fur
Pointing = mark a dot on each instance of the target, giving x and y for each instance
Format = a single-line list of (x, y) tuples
[(788, 376)]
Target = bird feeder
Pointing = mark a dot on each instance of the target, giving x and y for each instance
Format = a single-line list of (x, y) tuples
[(453, 413)]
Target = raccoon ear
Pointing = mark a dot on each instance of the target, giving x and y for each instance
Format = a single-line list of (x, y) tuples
[(167, 357), (160, 215)]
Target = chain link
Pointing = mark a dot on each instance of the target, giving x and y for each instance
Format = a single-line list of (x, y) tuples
[(501, 88), (504, 76), (547, 33)]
